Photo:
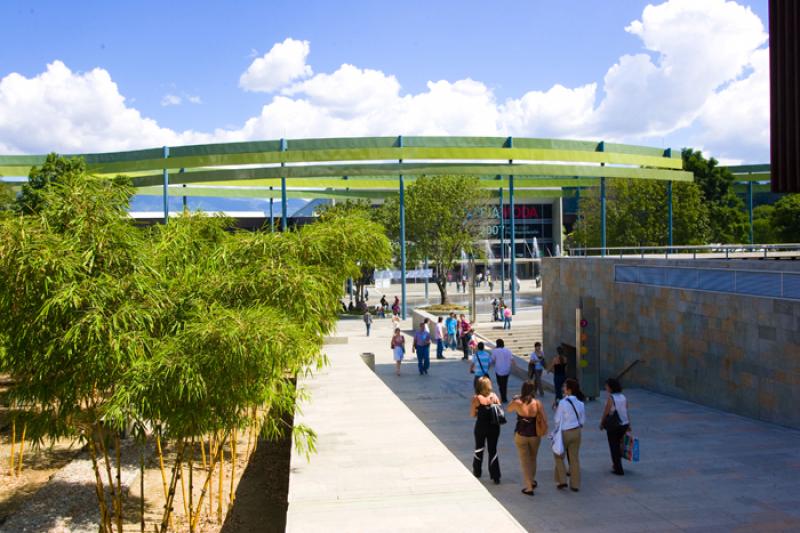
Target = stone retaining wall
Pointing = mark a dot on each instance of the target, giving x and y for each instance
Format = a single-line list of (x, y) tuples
[(730, 351)]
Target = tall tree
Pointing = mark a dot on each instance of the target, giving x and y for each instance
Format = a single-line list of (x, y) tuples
[(727, 217), (359, 209), (442, 221), (786, 218), (636, 215)]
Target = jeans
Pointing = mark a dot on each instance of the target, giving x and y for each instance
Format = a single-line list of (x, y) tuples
[(452, 340), (537, 382), (502, 384), (486, 436), (465, 340), (506, 322), (439, 349), (615, 446), (423, 358), (368, 326)]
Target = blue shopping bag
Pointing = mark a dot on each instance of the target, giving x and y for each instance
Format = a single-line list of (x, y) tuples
[(630, 448)]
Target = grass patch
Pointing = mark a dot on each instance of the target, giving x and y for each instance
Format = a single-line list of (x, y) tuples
[(443, 308)]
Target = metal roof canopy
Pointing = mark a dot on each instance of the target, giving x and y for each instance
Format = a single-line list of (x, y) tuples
[(369, 164)]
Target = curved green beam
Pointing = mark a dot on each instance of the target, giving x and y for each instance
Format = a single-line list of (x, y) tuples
[(364, 149)]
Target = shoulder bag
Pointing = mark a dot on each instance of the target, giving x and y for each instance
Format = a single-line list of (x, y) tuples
[(612, 422)]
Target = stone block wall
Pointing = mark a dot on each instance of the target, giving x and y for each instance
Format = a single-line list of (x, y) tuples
[(734, 352)]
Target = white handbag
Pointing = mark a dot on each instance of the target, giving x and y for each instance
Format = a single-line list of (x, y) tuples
[(558, 441)]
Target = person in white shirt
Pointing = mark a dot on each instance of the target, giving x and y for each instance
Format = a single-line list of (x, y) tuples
[(438, 336), (569, 419), (616, 422), (503, 361)]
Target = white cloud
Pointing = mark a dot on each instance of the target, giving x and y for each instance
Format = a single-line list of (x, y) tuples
[(284, 63), (702, 78), (193, 99), (171, 99)]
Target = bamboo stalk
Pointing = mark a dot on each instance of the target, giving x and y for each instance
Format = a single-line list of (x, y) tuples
[(221, 490), (208, 482), (141, 487), (119, 480), (232, 496), (21, 449), (163, 474), (212, 451), (203, 451), (172, 485), (110, 476), (101, 493), (183, 493), (191, 486), (13, 439)]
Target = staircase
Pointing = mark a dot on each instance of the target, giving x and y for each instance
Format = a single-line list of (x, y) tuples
[(519, 339)]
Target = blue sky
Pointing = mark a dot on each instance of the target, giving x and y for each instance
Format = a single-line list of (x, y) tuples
[(515, 57)]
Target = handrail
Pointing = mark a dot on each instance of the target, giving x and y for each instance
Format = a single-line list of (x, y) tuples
[(629, 367), (666, 251)]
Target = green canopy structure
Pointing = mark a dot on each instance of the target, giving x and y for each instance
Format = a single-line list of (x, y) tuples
[(376, 167)]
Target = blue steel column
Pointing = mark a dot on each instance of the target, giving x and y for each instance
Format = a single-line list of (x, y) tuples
[(750, 208), (669, 205), (602, 148), (166, 185), (284, 207), (502, 249), (271, 215), (185, 200), (513, 235), (402, 240)]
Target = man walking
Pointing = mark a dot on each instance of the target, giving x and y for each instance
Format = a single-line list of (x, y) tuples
[(480, 363), (368, 321), (422, 347), (536, 367), (438, 336), (503, 361)]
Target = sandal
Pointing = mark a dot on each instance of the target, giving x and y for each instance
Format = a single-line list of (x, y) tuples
[(527, 492)]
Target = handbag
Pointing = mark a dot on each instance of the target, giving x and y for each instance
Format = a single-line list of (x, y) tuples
[(612, 422), (541, 420), (558, 442), (630, 448), (498, 416)]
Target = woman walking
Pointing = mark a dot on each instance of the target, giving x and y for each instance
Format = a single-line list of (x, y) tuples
[(465, 334), (536, 368), (531, 427), (507, 318), (616, 422), (486, 430), (398, 349), (569, 419), (559, 369)]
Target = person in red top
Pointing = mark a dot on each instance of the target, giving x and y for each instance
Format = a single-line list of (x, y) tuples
[(465, 334)]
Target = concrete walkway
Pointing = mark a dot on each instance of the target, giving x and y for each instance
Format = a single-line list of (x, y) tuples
[(381, 468), (377, 466)]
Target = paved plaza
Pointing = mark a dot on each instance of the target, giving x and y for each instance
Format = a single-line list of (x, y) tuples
[(701, 469)]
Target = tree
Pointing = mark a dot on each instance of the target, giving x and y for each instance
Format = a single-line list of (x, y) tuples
[(637, 215), (442, 221), (55, 169), (764, 230), (727, 217), (361, 209), (190, 330), (786, 218)]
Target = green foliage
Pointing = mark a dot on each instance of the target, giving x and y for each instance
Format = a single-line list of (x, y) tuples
[(380, 257), (54, 170), (764, 231), (440, 222), (727, 216), (7, 197), (786, 218), (637, 215), (189, 327)]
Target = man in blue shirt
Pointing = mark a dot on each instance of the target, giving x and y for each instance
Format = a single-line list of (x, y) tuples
[(481, 361), (422, 347), (452, 324)]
